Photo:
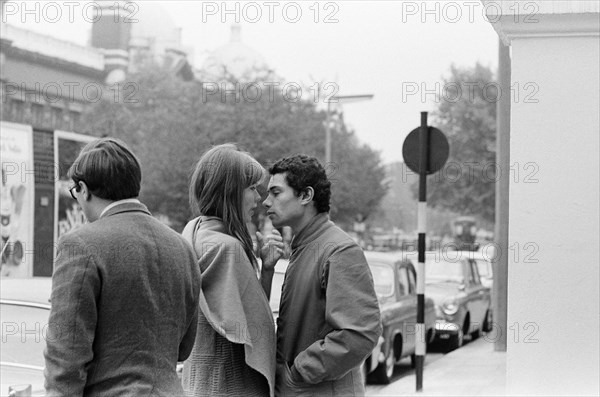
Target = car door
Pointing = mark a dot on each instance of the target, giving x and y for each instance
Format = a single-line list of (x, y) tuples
[(429, 304), (485, 292), (22, 354), (480, 295), (407, 298), (384, 279), (473, 300), (485, 272)]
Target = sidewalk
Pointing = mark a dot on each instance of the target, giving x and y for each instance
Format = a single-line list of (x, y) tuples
[(473, 370)]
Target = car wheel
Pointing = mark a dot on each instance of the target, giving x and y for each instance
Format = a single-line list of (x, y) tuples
[(384, 371), (487, 323)]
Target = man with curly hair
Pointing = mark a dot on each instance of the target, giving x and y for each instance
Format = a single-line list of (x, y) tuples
[(329, 320)]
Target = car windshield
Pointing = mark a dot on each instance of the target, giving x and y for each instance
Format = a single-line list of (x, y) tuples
[(443, 271), (383, 278), (24, 331)]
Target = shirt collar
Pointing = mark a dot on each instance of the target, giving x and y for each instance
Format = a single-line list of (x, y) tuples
[(118, 202)]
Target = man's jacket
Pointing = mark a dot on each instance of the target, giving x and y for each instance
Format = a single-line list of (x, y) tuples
[(329, 320), (125, 293)]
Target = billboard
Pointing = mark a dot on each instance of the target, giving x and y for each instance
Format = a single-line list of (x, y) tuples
[(17, 199)]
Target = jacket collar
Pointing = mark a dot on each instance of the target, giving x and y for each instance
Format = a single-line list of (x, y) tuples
[(312, 230), (205, 223), (216, 225), (211, 223), (114, 203), (125, 207)]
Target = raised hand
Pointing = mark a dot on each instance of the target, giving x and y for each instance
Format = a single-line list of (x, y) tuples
[(270, 249)]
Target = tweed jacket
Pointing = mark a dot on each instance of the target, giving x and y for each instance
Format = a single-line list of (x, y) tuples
[(234, 352), (329, 320), (124, 310)]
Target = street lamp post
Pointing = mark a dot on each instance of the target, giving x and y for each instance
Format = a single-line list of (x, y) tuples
[(338, 99)]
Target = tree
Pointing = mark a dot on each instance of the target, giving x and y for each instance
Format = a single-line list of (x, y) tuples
[(357, 177), (170, 123), (163, 125), (467, 115)]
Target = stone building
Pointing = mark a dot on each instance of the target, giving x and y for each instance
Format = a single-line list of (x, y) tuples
[(45, 85)]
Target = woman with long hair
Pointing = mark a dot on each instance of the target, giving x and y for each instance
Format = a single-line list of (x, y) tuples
[(234, 352)]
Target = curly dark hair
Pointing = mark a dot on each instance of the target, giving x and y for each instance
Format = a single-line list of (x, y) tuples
[(303, 171)]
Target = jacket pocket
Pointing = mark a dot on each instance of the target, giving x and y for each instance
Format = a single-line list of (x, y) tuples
[(289, 380)]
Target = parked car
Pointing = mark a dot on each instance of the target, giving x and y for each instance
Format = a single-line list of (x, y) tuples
[(24, 310), (463, 303), (395, 285), (485, 268)]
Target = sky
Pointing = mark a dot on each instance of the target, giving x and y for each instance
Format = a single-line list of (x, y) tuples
[(397, 51)]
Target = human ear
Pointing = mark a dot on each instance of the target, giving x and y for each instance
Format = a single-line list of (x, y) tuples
[(85, 192), (307, 195)]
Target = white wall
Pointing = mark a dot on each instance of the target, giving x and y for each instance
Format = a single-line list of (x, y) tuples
[(554, 303)]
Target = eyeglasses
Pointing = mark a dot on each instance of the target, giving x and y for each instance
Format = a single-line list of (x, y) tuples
[(71, 191)]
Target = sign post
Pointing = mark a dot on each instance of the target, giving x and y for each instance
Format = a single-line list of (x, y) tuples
[(425, 151)]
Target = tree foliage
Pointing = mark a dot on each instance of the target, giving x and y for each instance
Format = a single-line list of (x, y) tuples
[(467, 115), (169, 123), (357, 177)]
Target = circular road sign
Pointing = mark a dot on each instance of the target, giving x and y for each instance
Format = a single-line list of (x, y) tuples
[(438, 150)]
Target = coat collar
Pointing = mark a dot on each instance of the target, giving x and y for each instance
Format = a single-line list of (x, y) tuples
[(204, 223), (212, 223), (312, 230), (126, 207)]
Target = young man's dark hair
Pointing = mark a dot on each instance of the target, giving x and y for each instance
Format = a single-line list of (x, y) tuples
[(302, 171), (109, 169)]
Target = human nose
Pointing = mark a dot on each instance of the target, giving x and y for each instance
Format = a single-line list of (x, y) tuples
[(267, 202)]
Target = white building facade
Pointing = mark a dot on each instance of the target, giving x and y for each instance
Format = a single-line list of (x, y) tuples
[(553, 254)]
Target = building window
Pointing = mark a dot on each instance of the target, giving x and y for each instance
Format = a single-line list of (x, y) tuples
[(56, 118), (17, 110), (37, 114), (74, 119)]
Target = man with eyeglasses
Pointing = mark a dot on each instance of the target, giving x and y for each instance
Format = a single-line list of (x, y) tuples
[(125, 288), (71, 191)]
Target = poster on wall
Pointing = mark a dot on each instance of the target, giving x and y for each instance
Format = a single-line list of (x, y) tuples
[(17, 199), (68, 214)]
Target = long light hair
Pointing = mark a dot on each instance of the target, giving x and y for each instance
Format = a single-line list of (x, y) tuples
[(217, 189)]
